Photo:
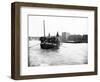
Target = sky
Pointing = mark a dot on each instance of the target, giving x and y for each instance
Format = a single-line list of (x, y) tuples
[(72, 25)]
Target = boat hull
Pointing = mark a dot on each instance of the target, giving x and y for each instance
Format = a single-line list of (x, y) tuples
[(49, 46)]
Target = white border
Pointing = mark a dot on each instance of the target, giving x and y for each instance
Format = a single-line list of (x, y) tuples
[(25, 70)]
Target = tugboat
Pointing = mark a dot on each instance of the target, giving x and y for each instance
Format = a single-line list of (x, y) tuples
[(49, 42)]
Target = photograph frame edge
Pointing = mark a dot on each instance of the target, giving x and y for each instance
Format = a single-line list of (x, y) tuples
[(15, 42)]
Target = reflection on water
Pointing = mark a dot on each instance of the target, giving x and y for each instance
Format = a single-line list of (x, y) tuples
[(67, 54)]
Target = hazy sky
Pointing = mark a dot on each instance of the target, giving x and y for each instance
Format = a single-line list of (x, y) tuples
[(72, 25)]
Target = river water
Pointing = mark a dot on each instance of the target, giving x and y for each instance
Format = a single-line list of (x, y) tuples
[(67, 54)]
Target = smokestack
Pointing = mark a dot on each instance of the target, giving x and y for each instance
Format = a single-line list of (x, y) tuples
[(44, 27)]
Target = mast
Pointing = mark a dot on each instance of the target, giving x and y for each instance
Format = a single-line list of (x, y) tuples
[(44, 27)]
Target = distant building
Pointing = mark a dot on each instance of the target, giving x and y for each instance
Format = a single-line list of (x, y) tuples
[(65, 36), (85, 39), (33, 38), (78, 38)]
